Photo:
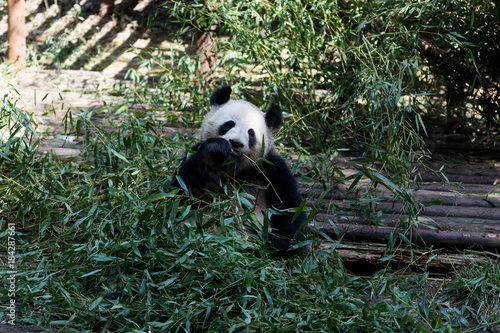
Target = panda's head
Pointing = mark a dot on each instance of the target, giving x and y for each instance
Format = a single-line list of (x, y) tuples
[(248, 130)]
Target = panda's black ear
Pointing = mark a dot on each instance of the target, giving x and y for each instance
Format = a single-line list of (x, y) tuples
[(220, 96), (274, 117)]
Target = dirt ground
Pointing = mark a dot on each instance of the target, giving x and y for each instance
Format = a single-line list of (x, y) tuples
[(8, 328)]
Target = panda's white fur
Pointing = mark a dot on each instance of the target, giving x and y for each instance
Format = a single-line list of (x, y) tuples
[(246, 116)]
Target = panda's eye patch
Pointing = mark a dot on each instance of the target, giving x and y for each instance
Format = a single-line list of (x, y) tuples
[(224, 128), (251, 137)]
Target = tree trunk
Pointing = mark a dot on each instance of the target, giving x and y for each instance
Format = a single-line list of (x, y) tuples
[(206, 49), (106, 8), (16, 34)]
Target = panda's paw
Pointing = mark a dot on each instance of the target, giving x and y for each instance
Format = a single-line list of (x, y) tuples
[(214, 152)]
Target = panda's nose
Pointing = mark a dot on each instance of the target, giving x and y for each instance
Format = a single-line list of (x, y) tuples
[(235, 144)]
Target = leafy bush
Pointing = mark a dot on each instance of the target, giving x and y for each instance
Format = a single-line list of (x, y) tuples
[(459, 42)]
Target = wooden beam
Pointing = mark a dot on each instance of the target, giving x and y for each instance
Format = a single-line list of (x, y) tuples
[(423, 222), (206, 49)]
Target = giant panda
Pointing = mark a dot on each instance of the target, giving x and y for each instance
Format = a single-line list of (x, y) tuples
[(237, 146)]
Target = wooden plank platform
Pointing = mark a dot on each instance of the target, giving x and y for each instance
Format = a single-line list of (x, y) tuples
[(459, 207)]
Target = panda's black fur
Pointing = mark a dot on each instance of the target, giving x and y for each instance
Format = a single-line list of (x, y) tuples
[(215, 161)]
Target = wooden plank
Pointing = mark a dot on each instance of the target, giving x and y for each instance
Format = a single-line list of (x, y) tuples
[(469, 169), (464, 170), (456, 178), (457, 188)]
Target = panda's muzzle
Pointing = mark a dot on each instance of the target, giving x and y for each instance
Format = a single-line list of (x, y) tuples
[(237, 148), (236, 144)]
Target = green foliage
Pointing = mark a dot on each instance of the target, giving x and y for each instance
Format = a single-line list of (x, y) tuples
[(340, 85), (104, 245), (459, 41), (3, 9), (352, 73), (476, 291)]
